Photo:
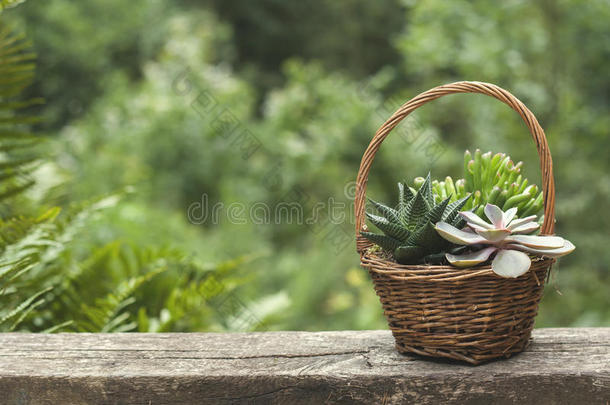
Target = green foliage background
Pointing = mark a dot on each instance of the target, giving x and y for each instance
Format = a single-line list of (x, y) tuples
[(126, 155)]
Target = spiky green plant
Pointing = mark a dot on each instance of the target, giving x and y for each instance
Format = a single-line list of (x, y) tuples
[(492, 179), (408, 230)]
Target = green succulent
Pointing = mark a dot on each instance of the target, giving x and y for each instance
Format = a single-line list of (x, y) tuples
[(408, 230), (492, 179)]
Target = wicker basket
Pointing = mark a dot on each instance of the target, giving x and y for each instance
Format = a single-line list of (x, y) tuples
[(469, 314)]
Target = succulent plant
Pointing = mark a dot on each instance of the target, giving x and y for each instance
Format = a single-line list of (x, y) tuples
[(408, 230), (505, 236), (491, 179)]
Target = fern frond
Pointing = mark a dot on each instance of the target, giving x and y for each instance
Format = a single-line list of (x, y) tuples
[(58, 327), (24, 308), (30, 248), (18, 148), (107, 314)]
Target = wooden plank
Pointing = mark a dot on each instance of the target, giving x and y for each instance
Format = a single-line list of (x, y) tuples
[(562, 366)]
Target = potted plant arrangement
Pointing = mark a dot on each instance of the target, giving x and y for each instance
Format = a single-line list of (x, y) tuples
[(459, 266)]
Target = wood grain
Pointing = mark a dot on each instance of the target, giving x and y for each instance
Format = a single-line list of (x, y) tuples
[(561, 366)]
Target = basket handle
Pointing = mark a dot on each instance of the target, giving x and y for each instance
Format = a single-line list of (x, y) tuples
[(546, 163)]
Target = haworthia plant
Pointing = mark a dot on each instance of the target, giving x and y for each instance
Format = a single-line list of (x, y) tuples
[(408, 230)]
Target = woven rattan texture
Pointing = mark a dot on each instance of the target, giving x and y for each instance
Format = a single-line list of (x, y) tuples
[(470, 314)]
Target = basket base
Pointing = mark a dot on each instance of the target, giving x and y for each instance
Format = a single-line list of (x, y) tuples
[(452, 356), (470, 315)]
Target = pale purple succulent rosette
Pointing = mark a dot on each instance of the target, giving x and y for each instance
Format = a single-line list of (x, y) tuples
[(506, 237)]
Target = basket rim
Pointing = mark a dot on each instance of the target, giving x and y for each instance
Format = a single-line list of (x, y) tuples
[(440, 272)]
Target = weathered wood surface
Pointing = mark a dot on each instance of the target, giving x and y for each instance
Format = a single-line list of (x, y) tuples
[(562, 366)]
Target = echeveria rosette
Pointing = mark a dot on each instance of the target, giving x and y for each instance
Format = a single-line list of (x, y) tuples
[(505, 236)]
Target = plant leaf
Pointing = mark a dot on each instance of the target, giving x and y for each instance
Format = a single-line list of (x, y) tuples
[(386, 242), (459, 222), (408, 254), (436, 213), (526, 228), (394, 230), (562, 251), (454, 235), (493, 235), (426, 189), (414, 213), (542, 242), (453, 209), (471, 259), (473, 218), (509, 215), (426, 237), (390, 213), (404, 196), (473, 227), (510, 263), (520, 221), (495, 215)]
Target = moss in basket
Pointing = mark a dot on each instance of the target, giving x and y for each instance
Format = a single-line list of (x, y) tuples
[(490, 179), (408, 230)]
